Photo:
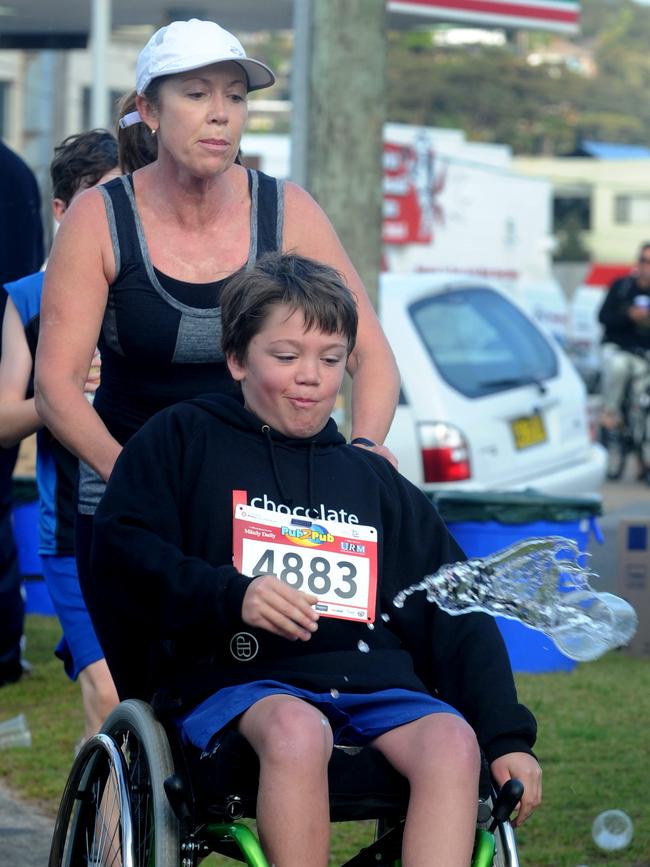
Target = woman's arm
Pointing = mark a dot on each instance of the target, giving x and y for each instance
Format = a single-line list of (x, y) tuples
[(375, 378), (18, 416), (79, 271)]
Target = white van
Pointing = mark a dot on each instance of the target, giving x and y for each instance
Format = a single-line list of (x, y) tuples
[(489, 400)]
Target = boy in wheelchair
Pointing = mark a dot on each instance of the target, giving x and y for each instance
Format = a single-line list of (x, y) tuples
[(251, 556)]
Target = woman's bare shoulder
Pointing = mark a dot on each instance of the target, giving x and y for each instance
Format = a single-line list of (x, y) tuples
[(83, 239)]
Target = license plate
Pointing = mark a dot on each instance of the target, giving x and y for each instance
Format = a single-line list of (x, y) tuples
[(528, 431)]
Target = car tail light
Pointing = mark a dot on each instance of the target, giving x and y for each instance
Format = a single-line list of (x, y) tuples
[(445, 453)]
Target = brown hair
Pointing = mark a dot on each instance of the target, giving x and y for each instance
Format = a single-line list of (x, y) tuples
[(317, 290), (80, 161), (137, 146)]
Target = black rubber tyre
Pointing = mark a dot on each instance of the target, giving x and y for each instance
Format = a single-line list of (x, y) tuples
[(93, 825), (144, 745)]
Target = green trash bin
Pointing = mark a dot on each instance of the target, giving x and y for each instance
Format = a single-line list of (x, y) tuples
[(485, 522)]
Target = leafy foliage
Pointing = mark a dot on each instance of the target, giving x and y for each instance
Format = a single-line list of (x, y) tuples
[(494, 94)]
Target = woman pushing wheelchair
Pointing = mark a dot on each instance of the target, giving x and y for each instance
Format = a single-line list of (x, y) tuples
[(245, 560)]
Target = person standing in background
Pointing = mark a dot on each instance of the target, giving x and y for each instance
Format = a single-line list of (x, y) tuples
[(21, 253), (80, 162), (12, 608), (21, 226)]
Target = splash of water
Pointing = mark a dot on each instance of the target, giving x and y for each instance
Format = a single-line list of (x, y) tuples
[(612, 830), (542, 584), (363, 647)]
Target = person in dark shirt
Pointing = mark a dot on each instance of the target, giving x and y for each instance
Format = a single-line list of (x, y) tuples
[(21, 253), (21, 227), (212, 502), (625, 317)]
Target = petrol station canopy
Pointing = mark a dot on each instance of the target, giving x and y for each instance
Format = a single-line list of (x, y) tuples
[(42, 24)]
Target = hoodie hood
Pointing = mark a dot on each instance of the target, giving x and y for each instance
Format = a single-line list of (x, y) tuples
[(235, 414)]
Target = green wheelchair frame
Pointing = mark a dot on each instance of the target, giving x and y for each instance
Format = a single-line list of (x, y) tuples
[(125, 804)]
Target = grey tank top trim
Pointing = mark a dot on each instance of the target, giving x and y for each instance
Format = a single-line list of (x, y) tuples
[(91, 489), (109, 323)]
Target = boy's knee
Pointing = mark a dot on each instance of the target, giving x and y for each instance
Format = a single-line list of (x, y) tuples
[(450, 739), (298, 733)]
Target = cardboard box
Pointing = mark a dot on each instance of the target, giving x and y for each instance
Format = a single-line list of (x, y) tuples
[(634, 578)]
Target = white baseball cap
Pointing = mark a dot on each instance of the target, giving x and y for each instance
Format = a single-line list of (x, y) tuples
[(185, 45)]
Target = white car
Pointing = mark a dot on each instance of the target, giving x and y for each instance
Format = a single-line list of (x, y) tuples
[(489, 400)]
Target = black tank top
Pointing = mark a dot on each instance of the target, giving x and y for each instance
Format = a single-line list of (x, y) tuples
[(161, 338)]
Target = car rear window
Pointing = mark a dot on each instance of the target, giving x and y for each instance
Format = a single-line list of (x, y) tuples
[(480, 342)]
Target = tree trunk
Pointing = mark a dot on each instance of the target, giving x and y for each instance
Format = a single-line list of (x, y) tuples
[(345, 125)]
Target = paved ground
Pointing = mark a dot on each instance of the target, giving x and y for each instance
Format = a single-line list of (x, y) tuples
[(24, 834), (627, 498), (27, 832)]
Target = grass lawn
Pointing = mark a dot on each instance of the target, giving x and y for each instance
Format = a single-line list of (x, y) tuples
[(594, 746)]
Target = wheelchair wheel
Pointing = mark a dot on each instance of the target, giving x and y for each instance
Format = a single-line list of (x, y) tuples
[(114, 809), (93, 825), (144, 746), (505, 853)]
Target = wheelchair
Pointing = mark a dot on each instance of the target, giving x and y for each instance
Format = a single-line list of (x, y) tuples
[(136, 798)]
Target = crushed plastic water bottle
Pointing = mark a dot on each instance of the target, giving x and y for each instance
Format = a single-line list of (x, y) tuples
[(14, 732), (612, 830), (540, 583)]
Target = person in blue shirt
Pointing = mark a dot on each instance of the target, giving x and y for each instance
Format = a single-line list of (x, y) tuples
[(80, 162), (21, 252)]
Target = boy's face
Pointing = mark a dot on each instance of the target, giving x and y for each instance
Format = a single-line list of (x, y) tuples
[(290, 377)]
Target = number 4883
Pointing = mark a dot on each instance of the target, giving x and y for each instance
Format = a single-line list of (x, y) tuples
[(316, 573)]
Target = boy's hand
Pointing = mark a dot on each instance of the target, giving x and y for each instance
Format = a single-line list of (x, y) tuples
[(272, 605), (525, 768), (94, 374)]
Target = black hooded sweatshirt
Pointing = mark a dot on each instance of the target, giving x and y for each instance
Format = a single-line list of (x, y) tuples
[(166, 600)]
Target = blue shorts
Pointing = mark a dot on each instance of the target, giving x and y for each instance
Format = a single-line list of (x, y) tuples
[(356, 718), (79, 646)]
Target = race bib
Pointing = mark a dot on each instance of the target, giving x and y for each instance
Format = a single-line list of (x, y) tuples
[(334, 561)]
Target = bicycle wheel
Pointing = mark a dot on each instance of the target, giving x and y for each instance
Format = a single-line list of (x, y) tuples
[(618, 447), (144, 746), (93, 826)]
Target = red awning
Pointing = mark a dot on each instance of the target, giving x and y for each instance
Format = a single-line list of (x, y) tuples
[(605, 274), (554, 15)]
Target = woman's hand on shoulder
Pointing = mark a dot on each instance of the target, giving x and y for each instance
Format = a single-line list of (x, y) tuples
[(524, 767), (369, 445)]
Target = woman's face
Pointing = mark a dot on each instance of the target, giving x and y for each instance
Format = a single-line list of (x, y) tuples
[(200, 117)]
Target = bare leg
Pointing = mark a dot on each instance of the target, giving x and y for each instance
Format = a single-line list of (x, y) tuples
[(439, 756), (294, 743), (98, 694)]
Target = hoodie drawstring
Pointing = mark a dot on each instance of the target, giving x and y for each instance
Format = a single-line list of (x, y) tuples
[(266, 430)]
